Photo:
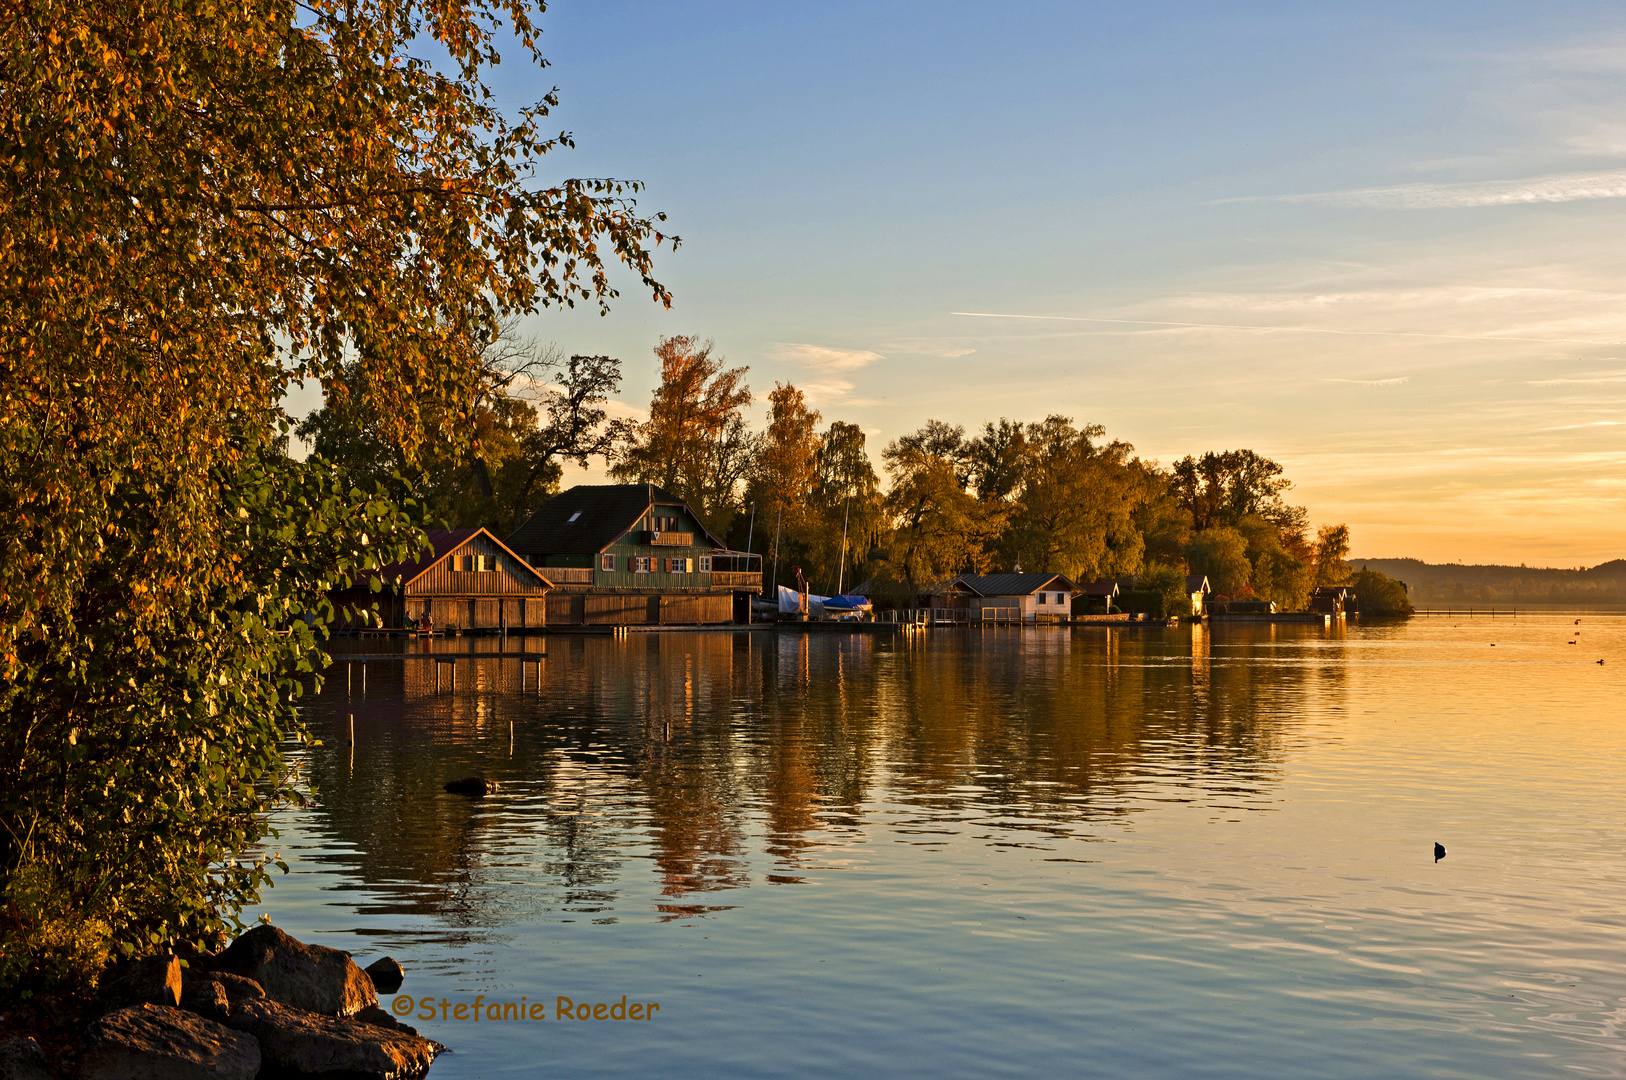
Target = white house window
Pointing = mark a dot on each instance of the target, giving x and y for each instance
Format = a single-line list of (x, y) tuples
[(607, 562), (640, 565), (1042, 597), (705, 564)]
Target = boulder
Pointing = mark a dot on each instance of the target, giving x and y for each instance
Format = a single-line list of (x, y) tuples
[(311, 977), (152, 979), (385, 1019), (297, 1041), (207, 999), (386, 975), (22, 1059), (474, 786), (160, 1042)]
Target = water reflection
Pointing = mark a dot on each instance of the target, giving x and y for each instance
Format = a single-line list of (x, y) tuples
[(754, 758)]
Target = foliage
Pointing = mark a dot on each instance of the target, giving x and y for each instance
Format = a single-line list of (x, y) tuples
[(141, 747), (785, 471), (528, 409), (847, 497), (1220, 489), (696, 444), (1167, 584), (200, 206), (1075, 506), (1222, 554), (1378, 594), (1331, 549), (940, 529)]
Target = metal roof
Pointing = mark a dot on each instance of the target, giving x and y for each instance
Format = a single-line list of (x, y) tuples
[(1013, 584), (590, 517)]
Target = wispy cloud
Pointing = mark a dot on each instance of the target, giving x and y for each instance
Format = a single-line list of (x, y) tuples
[(926, 347), (823, 357), (1396, 381), (1284, 329), (1578, 427), (1567, 187), (1592, 379)]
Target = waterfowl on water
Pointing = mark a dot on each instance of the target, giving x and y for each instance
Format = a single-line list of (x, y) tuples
[(1439, 852)]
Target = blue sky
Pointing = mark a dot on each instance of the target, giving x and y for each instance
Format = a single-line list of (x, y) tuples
[(1397, 226)]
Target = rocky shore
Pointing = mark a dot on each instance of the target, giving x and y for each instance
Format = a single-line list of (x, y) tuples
[(266, 1006)]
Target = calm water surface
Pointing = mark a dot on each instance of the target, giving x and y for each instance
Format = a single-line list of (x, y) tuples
[(1087, 852)]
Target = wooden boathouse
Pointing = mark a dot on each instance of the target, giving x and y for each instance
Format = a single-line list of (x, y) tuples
[(634, 554), (466, 580)]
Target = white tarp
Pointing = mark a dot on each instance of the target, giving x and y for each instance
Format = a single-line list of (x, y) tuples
[(790, 603)]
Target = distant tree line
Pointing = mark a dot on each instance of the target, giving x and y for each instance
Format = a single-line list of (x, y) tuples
[(1051, 495)]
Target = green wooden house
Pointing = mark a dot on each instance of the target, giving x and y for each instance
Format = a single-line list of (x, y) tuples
[(630, 554)]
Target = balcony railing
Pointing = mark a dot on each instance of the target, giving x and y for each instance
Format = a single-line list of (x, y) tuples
[(567, 575), (737, 579), (669, 539)]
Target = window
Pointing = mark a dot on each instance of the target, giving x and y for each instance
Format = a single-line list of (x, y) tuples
[(640, 565), (573, 517), (607, 562), (705, 564), (466, 564), (1043, 597)]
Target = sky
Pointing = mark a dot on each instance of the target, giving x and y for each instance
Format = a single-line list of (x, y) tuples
[(1379, 243)]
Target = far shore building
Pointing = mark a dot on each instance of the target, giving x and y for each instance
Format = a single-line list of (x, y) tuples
[(1198, 589), (1004, 598), (1098, 597), (465, 580), (1333, 600), (634, 554)]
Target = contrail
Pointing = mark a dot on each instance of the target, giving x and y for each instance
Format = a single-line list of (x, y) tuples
[(1288, 329)]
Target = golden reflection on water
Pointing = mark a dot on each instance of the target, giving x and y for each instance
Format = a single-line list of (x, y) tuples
[(696, 742), (1217, 837)]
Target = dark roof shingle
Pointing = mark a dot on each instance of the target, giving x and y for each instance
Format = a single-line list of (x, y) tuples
[(1012, 584), (590, 517)]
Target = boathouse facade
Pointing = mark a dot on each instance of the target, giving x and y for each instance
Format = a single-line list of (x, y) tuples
[(1005, 598), (634, 554), (465, 580)]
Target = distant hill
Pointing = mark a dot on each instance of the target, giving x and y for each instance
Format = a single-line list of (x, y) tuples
[(1430, 584)]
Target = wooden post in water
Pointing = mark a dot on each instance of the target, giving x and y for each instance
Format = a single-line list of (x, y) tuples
[(352, 729)]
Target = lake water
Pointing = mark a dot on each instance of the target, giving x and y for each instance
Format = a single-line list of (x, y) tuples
[(1087, 852)]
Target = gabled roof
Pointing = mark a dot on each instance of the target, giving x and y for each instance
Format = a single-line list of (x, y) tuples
[(590, 517), (1104, 587), (442, 542), (1013, 584), (1342, 592), (1197, 583)]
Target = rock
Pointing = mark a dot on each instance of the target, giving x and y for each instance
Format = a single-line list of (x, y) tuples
[(385, 1019), (296, 1041), (207, 999), (152, 979), (386, 975), (475, 786), (311, 977), (22, 1059), (159, 1042)]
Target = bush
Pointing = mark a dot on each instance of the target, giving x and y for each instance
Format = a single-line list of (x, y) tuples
[(1378, 594)]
